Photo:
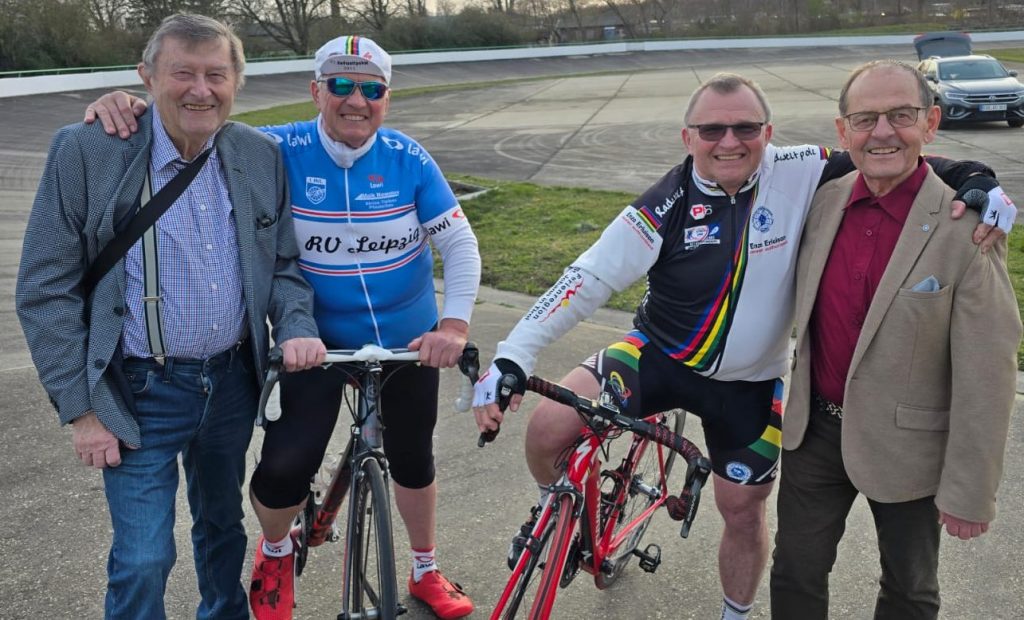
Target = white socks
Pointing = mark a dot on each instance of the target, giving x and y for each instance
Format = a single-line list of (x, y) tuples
[(422, 563), (731, 610), (279, 549)]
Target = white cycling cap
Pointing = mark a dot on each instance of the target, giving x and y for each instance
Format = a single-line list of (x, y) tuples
[(352, 55)]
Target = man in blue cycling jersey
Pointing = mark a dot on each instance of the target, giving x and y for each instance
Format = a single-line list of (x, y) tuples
[(367, 202), (717, 239)]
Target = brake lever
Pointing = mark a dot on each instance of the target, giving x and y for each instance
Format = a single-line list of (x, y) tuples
[(469, 364), (275, 360), (506, 387)]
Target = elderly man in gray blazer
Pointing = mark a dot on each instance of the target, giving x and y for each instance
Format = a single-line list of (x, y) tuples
[(226, 262), (905, 368)]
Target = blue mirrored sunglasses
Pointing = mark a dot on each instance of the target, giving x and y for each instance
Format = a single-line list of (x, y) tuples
[(343, 87)]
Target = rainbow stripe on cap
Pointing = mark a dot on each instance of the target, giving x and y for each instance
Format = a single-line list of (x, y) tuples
[(352, 54)]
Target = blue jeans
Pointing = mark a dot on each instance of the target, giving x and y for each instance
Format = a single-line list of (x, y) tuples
[(204, 411)]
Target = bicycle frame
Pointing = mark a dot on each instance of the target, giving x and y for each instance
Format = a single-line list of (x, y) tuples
[(579, 522), (582, 480), (358, 449), (319, 522), (605, 547)]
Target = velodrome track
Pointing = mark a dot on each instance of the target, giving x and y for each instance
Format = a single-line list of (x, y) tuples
[(598, 121)]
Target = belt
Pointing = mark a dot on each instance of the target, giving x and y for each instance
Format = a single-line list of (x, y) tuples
[(827, 407), (188, 361)]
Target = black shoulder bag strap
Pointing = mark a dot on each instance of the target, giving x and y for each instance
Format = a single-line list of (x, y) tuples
[(144, 218)]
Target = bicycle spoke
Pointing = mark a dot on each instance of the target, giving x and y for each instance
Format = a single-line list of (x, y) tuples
[(637, 482)]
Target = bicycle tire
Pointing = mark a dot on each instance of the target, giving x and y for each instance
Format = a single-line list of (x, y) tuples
[(639, 463), (529, 579), (561, 540), (370, 573)]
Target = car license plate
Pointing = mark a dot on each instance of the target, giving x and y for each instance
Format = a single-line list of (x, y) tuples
[(993, 107)]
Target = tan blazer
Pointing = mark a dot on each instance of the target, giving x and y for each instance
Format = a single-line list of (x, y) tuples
[(931, 384)]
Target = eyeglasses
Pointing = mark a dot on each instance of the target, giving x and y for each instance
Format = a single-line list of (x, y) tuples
[(897, 117), (343, 87), (713, 132)]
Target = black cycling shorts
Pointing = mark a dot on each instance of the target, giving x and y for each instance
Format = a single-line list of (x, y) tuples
[(294, 445), (742, 420)]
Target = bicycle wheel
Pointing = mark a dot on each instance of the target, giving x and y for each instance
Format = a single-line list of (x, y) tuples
[(558, 551), (557, 532), (372, 590), (626, 492)]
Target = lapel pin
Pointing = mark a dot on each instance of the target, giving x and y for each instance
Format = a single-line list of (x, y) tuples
[(926, 228)]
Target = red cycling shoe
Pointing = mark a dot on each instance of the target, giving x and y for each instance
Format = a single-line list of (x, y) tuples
[(446, 599), (272, 591)]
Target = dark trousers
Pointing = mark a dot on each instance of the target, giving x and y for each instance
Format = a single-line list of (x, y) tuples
[(815, 496)]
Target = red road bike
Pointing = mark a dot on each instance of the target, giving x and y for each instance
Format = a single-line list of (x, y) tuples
[(596, 515)]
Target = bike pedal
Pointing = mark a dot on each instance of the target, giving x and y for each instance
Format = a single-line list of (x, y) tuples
[(401, 609), (650, 558)]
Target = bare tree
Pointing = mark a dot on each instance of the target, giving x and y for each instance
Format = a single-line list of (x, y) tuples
[(288, 22), (149, 13), (107, 14), (502, 6), (416, 8), (627, 23), (374, 13)]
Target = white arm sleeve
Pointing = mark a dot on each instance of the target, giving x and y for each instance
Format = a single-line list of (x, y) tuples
[(628, 247), (453, 237)]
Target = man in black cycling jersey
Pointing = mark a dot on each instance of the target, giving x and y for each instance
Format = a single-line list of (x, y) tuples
[(717, 239)]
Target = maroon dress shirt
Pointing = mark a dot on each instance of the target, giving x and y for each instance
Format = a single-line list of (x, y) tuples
[(860, 253)]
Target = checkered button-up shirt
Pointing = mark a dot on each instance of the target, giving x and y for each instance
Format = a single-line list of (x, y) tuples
[(203, 311)]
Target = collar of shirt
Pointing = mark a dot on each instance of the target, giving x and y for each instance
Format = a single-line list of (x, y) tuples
[(897, 202), (164, 152), (712, 188)]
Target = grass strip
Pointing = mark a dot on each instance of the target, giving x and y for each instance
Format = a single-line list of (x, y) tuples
[(1010, 54)]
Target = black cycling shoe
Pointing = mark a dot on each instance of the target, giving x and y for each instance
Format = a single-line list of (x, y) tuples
[(519, 541)]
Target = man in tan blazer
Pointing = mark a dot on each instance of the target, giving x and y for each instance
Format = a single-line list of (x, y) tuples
[(905, 368)]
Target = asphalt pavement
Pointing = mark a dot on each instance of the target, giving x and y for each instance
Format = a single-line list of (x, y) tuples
[(608, 122)]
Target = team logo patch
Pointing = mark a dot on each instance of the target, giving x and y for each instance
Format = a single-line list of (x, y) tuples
[(699, 212), (316, 189), (762, 219), (740, 472), (618, 386), (696, 234), (701, 235), (392, 143)]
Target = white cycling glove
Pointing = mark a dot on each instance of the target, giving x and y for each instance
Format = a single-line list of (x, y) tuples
[(1000, 211), (486, 389)]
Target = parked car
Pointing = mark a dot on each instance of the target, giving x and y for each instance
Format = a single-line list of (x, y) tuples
[(974, 88), (968, 87)]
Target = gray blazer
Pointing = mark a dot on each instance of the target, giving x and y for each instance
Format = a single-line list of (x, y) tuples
[(89, 186)]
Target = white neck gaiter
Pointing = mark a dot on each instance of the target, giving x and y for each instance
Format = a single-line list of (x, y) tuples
[(342, 154)]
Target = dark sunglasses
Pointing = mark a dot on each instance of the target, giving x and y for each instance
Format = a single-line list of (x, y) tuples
[(713, 132), (343, 87)]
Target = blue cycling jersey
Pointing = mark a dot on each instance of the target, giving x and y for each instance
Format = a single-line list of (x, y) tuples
[(363, 234)]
